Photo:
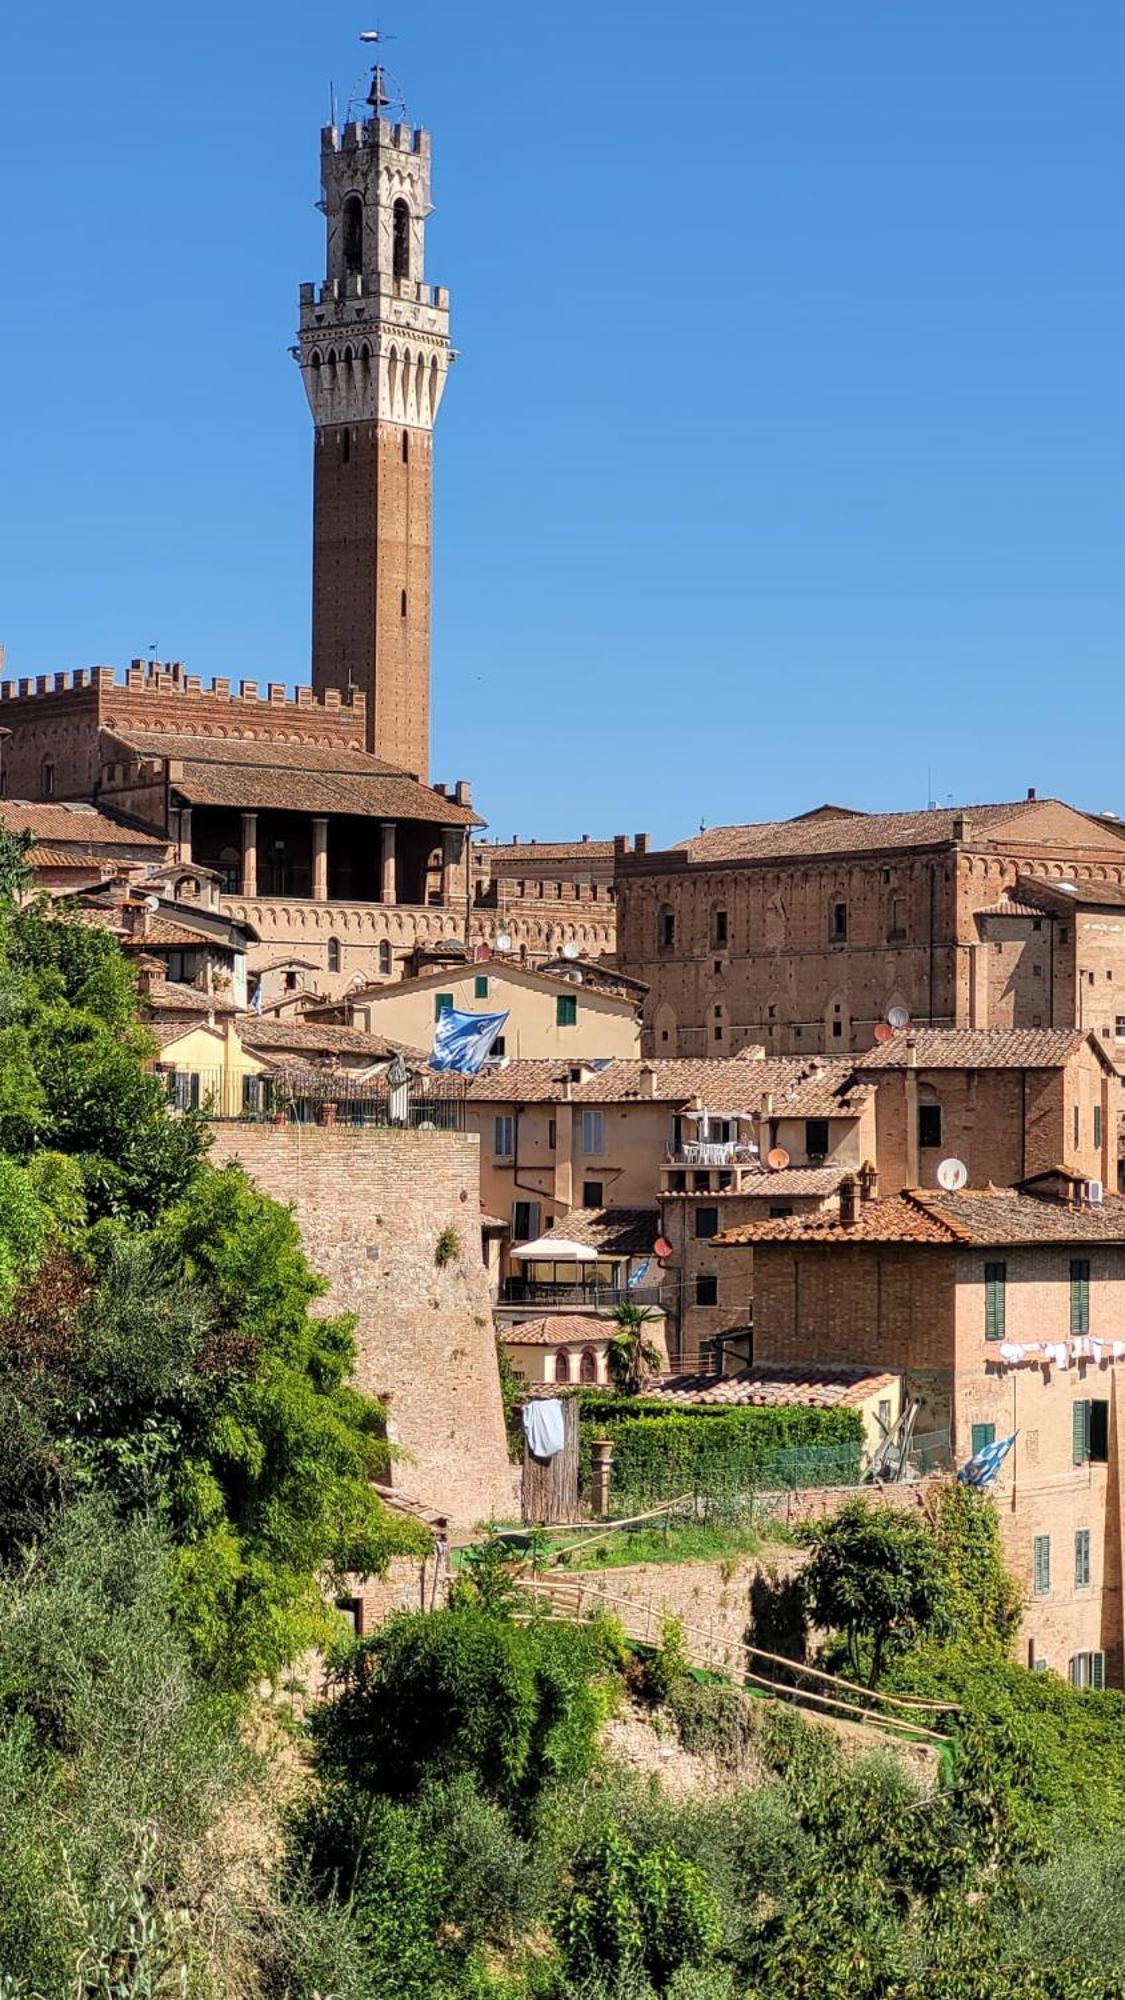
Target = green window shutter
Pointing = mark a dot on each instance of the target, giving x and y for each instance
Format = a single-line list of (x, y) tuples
[(1097, 1124), (983, 1434), (1042, 1565), (480, 986), (566, 1011), (1079, 1295), (1080, 1433), (1097, 1670), (443, 1004), (1081, 1558), (994, 1278)]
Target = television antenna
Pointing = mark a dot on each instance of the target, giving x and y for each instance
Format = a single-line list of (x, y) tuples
[(384, 93)]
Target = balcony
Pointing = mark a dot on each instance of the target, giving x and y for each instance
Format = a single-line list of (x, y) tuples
[(593, 1295)]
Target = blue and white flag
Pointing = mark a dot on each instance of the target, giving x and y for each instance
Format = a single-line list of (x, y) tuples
[(641, 1271), (464, 1041), (984, 1465)]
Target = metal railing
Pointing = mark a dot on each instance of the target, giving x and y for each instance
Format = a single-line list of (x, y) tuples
[(308, 1098), (592, 1297)]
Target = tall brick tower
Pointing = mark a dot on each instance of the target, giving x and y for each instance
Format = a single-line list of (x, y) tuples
[(374, 352)]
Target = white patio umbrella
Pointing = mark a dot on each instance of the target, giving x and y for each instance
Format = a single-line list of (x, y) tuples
[(555, 1250)]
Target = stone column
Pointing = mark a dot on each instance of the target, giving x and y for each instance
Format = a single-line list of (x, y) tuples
[(249, 854), (320, 861), (184, 845), (601, 1464), (388, 877)]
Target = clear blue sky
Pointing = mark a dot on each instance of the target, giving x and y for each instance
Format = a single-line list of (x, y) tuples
[(785, 459)]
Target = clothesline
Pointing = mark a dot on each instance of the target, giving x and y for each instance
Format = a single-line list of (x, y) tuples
[(1060, 1353)]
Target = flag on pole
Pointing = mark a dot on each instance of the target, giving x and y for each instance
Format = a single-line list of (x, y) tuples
[(464, 1041), (982, 1468), (641, 1271)]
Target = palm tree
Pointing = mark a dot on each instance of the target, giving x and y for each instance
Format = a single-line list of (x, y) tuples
[(632, 1359)]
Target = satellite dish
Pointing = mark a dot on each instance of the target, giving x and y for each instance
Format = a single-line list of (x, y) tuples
[(951, 1175), (883, 1032), (898, 1017), (1067, 888), (503, 942), (152, 902), (662, 1247), (778, 1159), (571, 949)]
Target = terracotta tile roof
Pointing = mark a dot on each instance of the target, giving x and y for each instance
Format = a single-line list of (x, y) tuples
[(1010, 906), (558, 1331), (166, 932), (976, 1048), (826, 1092), (168, 996), (923, 1215), (76, 824), (1052, 896), (94, 868), (724, 1084), (615, 1232), (767, 1186), (306, 1038), (769, 1386), (543, 850), (839, 830), (293, 777)]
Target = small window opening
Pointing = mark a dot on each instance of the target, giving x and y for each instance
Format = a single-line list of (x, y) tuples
[(333, 954), (353, 235), (402, 604), (406, 447), (401, 240), (48, 781), (346, 446)]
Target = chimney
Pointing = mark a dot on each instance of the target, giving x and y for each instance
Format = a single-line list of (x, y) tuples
[(767, 1104), (848, 1201), (962, 827), (149, 971), (640, 843), (648, 1080), (1031, 792), (868, 1181), (463, 792), (911, 1052)]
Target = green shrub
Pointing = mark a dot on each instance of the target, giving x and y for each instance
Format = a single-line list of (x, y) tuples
[(628, 1911), (659, 1453)]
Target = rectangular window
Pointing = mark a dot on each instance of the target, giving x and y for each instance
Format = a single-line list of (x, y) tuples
[(1097, 1126), (1079, 1295), (1119, 1028), (896, 922), (884, 1414), (480, 986), (995, 1280), (504, 1136), (566, 1010), (719, 928), (1042, 1564), (1082, 1559), (983, 1435), (499, 1047), (778, 1210), (1090, 1432), (552, 1134), (707, 1222), (593, 1133), (1087, 1670), (816, 1138), (706, 1289), (443, 1004), (593, 1194), (839, 922), (1077, 1127), (525, 1221), (929, 1124)]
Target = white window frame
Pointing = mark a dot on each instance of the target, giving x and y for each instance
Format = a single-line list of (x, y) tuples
[(504, 1128), (593, 1134)]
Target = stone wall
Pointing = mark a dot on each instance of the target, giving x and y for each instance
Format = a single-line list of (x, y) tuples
[(372, 1206)]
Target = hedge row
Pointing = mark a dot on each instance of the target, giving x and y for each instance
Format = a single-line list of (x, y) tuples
[(660, 1452)]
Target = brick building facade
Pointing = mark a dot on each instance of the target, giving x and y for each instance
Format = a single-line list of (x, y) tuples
[(1002, 1311), (804, 934)]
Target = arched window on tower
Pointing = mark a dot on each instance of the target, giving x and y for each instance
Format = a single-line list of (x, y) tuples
[(384, 960), (48, 779), (562, 1365), (353, 235), (333, 954), (401, 265)]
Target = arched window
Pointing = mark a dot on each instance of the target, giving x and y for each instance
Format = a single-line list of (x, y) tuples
[(665, 927), (401, 265), (230, 871), (384, 960), (333, 954), (48, 780), (562, 1366), (353, 235), (588, 1366)]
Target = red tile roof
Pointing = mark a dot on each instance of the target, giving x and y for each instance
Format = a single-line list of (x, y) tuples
[(560, 1330), (614, 1232), (922, 1215), (725, 1084), (292, 777), (839, 830), (769, 1386), (76, 824), (977, 1048)]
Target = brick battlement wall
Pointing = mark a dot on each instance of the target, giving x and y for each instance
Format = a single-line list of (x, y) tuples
[(155, 695), (371, 1208)]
